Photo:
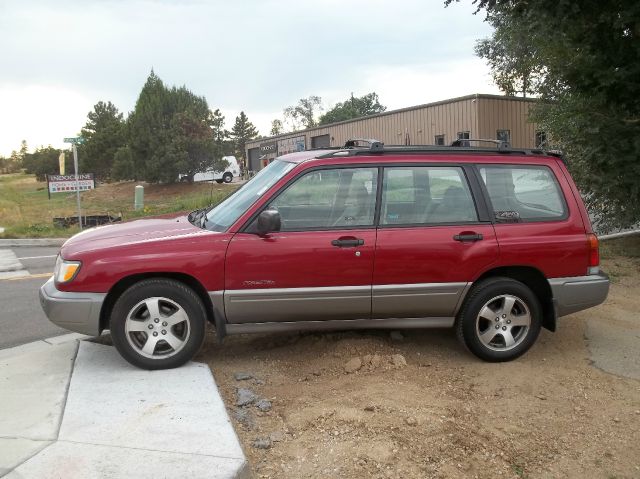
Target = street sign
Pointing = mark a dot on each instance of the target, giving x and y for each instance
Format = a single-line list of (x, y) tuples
[(76, 141), (69, 184)]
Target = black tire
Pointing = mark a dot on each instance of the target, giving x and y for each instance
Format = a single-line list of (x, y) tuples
[(219, 181), (171, 297), (227, 177), (475, 330)]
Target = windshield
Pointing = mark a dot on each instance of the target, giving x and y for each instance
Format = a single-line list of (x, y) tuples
[(228, 211)]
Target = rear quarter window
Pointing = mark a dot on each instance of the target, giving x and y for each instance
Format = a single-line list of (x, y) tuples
[(531, 192)]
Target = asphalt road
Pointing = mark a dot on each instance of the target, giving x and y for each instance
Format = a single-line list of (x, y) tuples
[(21, 318)]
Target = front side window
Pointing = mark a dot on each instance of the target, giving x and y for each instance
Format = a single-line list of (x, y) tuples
[(523, 193), (228, 211), (416, 195), (329, 199)]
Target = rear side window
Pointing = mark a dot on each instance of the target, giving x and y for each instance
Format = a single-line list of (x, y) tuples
[(529, 193), (415, 195)]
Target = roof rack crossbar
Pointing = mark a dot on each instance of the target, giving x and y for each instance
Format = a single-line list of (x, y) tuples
[(501, 144), (355, 143)]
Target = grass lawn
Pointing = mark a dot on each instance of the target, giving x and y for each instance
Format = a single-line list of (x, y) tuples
[(26, 211)]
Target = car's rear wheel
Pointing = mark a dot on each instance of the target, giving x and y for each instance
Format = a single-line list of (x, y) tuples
[(500, 320), (158, 324), (227, 177)]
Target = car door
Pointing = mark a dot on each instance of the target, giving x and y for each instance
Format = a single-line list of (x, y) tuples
[(432, 242), (319, 266)]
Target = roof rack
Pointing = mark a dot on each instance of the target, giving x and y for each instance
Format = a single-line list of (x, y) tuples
[(355, 143), (502, 145), (352, 148)]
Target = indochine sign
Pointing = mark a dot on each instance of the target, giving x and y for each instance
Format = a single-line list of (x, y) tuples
[(67, 183)]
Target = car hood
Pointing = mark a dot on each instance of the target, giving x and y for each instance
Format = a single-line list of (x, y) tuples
[(122, 234)]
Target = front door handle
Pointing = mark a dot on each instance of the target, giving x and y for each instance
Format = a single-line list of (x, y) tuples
[(347, 242), (468, 237)]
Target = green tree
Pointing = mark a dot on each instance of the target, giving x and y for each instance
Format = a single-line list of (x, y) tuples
[(243, 130), (44, 161), (510, 53), (172, 133), (585, 56), (303, 115), (123, 165), (354, 107), (104, 134), (277, 127)]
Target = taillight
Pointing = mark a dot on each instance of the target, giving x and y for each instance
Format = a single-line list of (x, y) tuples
[(594, 252)]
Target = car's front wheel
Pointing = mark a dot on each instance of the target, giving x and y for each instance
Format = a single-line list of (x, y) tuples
[(158, 324), (500, 320)]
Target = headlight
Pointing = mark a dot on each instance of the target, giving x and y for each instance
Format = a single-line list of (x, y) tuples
[(65, 271)]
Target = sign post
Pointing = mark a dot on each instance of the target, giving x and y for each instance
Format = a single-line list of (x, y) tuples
[(76, 141)]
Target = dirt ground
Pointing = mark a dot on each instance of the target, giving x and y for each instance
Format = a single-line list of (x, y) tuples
[(421, 406)]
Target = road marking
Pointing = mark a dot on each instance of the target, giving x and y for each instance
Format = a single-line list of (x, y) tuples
[(39, 257), (27, 276)]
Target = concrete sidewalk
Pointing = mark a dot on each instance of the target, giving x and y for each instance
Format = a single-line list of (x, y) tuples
[(74, 409)]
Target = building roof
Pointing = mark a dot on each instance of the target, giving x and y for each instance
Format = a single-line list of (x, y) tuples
[(474, 96)]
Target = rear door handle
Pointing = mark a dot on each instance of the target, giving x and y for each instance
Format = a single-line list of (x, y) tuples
[(347, 242), (468, 237)]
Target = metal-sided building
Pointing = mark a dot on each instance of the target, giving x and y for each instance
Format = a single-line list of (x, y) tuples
[(440, 123)]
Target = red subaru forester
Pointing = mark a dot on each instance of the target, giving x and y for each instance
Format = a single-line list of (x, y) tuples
[(494, 242)]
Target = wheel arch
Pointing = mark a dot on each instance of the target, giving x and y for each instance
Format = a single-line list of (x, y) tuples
[(123, 284), (535, 280)]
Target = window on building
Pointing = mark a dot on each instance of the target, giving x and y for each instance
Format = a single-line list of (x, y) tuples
[(329, 199), (414, 195), (439, 140), (520, 193), (541, 139), (503, 135), (464, 135)]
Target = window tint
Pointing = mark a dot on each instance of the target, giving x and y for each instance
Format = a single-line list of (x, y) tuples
[(530, 192), (426, 195), (329, 199)]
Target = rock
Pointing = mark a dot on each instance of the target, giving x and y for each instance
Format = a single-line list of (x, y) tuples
[(262, 443), (370, 407), (240, 376), (244, 417), (616, 419), (264, 405), (398, 360), (353, 365), (258, 382), (316, 373), (376, 361), (396, 336), (411, 421), (245, 396), (542, 397), (277, 436)]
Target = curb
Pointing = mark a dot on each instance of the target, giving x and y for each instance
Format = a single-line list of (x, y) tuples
[(624, 234), (32, 242)]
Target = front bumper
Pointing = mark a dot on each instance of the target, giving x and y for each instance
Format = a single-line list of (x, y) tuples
[(79, 312), (576, 293)]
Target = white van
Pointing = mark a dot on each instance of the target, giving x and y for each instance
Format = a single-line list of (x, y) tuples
[(232, 171)]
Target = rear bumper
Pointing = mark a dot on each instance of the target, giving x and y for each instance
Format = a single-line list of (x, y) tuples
[(79, 312), (579, 292)]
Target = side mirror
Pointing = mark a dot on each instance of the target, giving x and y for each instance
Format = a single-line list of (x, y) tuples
[(268, 221)]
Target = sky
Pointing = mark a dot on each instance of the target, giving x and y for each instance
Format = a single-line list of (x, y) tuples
[(60, 57)]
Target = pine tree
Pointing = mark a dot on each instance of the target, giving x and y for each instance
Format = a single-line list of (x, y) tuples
[(104, 134), (243, 130)]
